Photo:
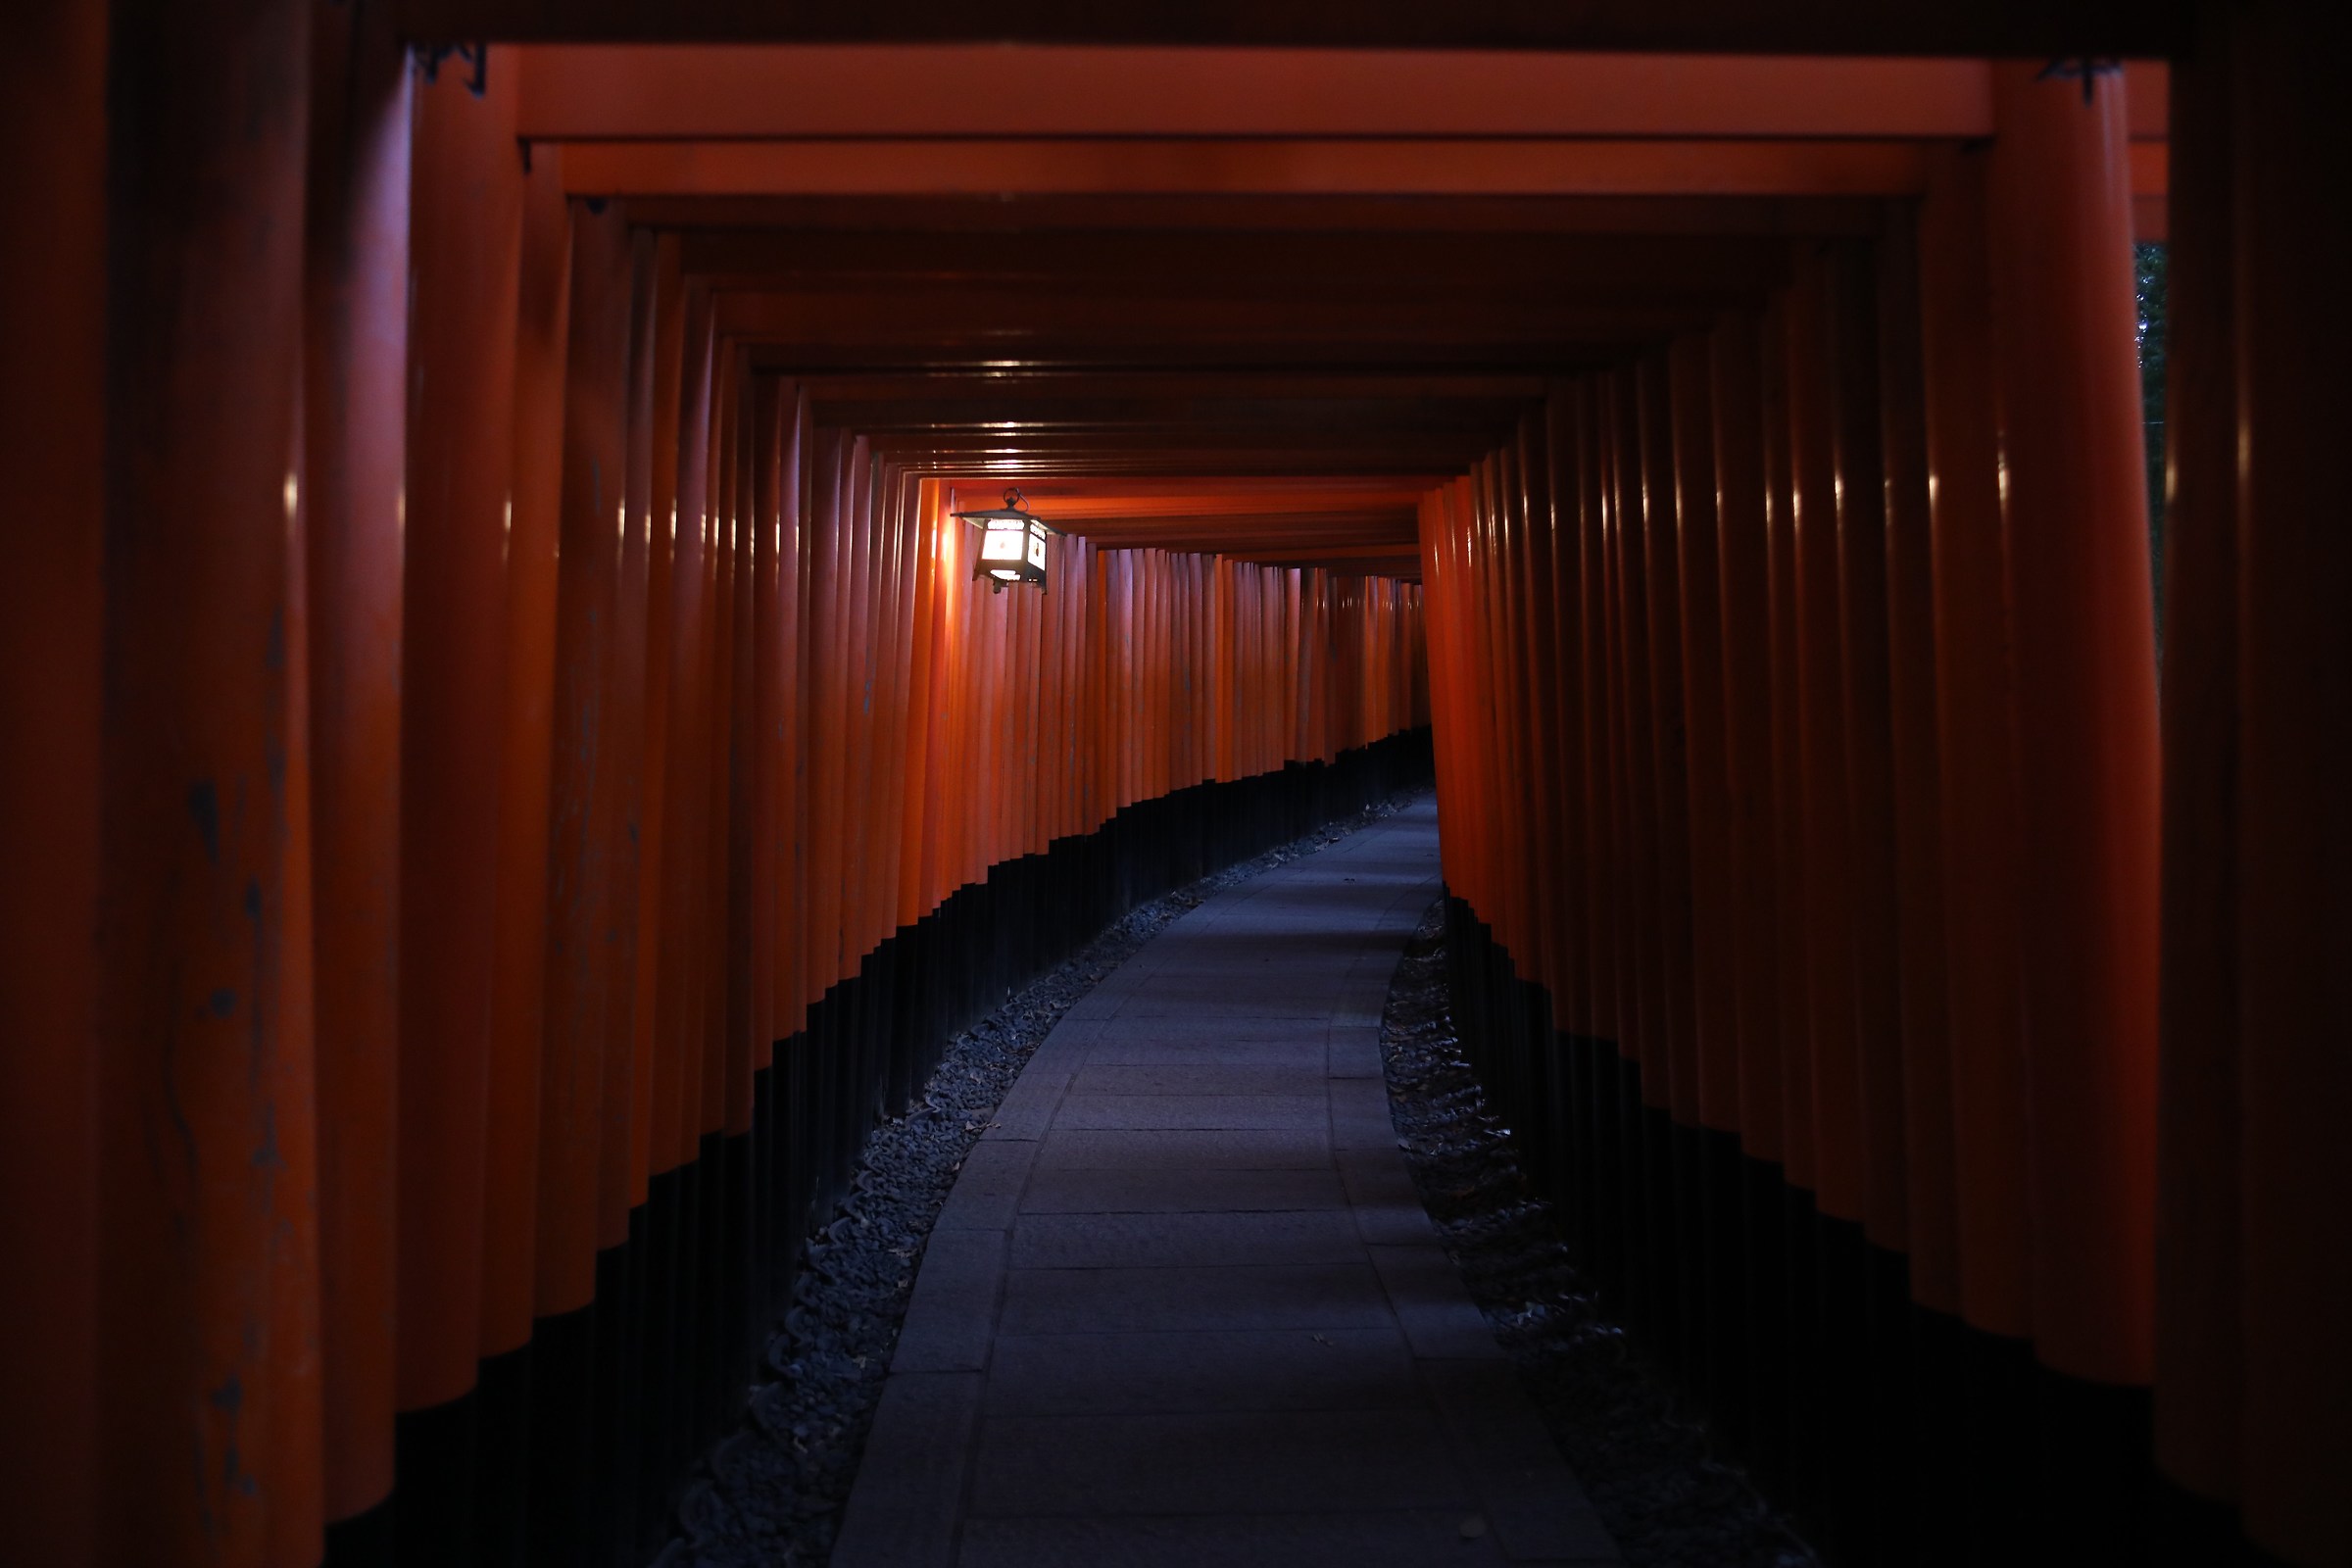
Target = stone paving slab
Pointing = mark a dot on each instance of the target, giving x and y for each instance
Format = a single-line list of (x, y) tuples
[(952, 1316), (1102, 1300), (1256, 1461), (1305, 1080), (1184, 1306), (1185, 1190), (1306, 1050), (1388, 1540), (1191, 1112), (1292, 1149), (1175, 1240), (909, 1501), (989, 1190), (1236, 1369)]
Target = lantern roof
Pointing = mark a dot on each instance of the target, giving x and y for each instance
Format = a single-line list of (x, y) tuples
[(1012, 510)]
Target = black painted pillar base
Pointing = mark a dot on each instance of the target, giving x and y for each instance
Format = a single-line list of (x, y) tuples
[(1890, 1433), (570, 1450)]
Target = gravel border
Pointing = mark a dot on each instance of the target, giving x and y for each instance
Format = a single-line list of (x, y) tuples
[(772, 1494), (1666, 1499)]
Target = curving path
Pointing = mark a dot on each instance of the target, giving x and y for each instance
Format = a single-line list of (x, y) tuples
[(1184, 1308)]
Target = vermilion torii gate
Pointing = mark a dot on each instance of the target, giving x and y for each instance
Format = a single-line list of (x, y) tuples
[(496, 726)]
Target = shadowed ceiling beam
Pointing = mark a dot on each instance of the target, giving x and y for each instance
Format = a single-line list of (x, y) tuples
[(2138, 27)]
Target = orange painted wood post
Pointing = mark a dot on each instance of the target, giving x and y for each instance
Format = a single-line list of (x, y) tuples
[(1499, 880), (793, 918), (1716, 1271), (1873, 869), (922, 782), (465, 234), (1672, 1174), (1645, 1035), (621, 1160), (1643, 1096), (1824, 1253), (770, 410), (678, 986), (1784, 1218), (511, 1219), (738, 866), (928, 877), (1865, 1295), (2200, 1310), (744, 1166), (53, 303), (2295, 768), (903, 583), (1527, 574), (1595, 693), (773, 1148), (1604, 840), (2075, 511), (588, 1116), (1936, 1468), (1503, 536), (1790, 866), (207, 1397), (1476, 738), (858, 674), (871, 653), (1824, 801), (1445, 715), (1933, 1238), (519, 995), (634, 816), (295, 998), (1513, 918), (1564, 519), (1553, 802), (1698, 497), (852, 674), (722, 1050), (1752, 1416), (1980, 777), (698, 697), (896, 901), (826, 744), (1477, 682), (1977, 758), (584, 1111), (1744, 573), (355, 451), (680, 998), (792, 721), (657, 339), (1662, 570)]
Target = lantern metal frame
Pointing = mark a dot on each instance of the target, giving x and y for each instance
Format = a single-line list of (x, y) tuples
[(1011, 521)]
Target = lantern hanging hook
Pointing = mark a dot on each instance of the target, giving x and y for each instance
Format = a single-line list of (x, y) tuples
[(2088, 68), (477, 55)]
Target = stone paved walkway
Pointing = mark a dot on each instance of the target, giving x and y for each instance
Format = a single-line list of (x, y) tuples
[(1184, 1310)]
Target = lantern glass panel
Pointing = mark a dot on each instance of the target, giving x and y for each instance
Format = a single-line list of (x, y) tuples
[(1001, 541)]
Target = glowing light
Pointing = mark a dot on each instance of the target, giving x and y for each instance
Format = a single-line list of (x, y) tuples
[(1013, 544)]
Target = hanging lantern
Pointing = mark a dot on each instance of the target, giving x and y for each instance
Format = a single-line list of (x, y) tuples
[(1013, 544)]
